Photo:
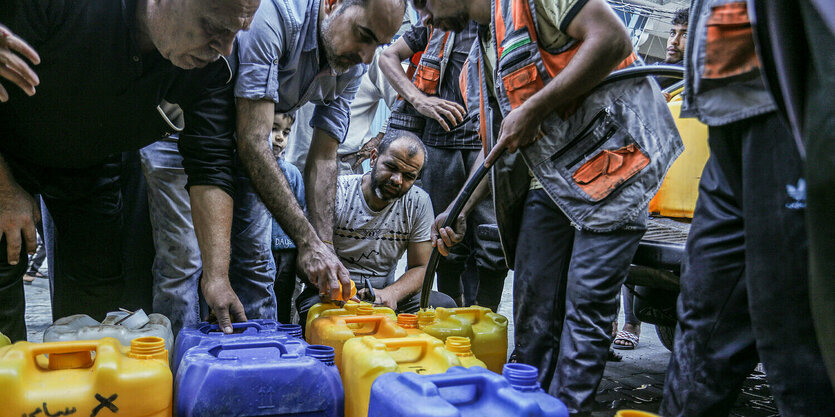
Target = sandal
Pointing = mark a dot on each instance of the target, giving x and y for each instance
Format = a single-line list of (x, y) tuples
[(628, 340)]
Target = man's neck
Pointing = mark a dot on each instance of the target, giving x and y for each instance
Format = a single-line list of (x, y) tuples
[(143, 37), (480, 11), (374, 203)]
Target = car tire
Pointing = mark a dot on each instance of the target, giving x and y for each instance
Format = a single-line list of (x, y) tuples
[(666, 334)]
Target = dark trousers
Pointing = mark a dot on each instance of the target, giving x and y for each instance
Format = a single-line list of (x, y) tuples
[(85, 205), (565, 298), (285, 282), (310, 296), (744, 289), (476, 267)]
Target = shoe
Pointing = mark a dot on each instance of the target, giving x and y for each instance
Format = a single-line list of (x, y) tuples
[(628, 340)]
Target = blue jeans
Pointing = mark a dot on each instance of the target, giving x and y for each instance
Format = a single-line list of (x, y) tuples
[(177, 266)]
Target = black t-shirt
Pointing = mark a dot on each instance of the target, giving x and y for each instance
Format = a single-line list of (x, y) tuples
[(465, 134), (98, 93)]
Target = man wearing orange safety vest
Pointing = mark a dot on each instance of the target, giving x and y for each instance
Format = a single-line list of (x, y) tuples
[(571, 205), (432, 107)]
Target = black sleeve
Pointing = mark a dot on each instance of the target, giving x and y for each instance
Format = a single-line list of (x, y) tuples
[(207, 143), (417, 38)]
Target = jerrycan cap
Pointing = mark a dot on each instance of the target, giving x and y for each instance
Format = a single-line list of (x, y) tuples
[(365, 309), (459, 345), (521, 376), (150, 347), (323, 353), (407, 321), (292, 330), (426, 317)]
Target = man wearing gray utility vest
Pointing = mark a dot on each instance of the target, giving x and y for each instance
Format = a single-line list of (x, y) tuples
[(432, 107), (572, 204)]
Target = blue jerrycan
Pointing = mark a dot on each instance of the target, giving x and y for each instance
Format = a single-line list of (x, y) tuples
[(194, 335), (253, 377), (464, 392)]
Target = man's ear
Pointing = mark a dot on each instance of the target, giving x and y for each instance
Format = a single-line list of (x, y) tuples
[(373, 156), (331, 5)]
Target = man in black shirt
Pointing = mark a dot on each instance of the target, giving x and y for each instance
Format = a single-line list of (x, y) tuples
[(105, 66)]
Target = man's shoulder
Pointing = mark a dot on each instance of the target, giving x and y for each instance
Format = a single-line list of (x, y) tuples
[(416, 199), (276, 19)]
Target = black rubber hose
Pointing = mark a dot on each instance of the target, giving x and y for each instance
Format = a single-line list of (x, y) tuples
[(671, 71)]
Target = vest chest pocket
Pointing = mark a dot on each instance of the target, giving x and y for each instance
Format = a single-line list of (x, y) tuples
[(601, 158), (428, 75), (729, 43), (518, 69)]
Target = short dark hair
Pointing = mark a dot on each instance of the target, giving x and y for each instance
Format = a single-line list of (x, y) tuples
[(415, 144), (681, 17), (291, 115)]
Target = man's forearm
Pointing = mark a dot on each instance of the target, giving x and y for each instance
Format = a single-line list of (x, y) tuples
[(320, 172), (393, 70), (254, 123), (211, 211), (408, 284)]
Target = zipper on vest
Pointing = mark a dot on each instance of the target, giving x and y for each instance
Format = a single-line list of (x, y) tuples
[(516, 60), (584, 132), (605, 137)]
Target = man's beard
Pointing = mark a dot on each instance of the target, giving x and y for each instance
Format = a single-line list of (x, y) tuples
[(379, 188), (339, 63)]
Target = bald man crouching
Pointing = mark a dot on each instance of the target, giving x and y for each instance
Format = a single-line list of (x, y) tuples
[(378, 216)]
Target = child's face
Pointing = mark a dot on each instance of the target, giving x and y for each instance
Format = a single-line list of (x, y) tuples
[(280, 131)]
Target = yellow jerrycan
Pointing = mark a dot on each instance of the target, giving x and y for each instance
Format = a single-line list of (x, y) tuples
[(86, 378), (351, 308), (334, 331), (634, 413), (365, 358), (460, 346), (487, 331), (4, 340), (680, 188)]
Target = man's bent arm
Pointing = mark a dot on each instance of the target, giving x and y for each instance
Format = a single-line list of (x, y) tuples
[(605, 45), (255, 119), (316, 260), (211, 211), (320, 172), (417, 256), (390, 64)]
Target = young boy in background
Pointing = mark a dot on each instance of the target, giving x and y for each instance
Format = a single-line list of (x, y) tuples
[(284, 250)]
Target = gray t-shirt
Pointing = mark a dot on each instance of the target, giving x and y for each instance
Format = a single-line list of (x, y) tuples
[(369, 243)]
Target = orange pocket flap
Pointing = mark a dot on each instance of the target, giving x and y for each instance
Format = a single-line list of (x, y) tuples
[(427, 79), (521, 84), (729, 46), (603, 173)]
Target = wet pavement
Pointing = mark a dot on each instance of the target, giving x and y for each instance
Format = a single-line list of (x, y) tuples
[(636, 382)]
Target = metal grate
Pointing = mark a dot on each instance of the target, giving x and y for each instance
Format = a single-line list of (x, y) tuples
[(667, 230)]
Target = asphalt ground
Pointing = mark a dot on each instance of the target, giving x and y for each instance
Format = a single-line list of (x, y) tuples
[(635, 382)]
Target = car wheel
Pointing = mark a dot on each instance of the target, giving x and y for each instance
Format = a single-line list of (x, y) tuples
[(666, 334)]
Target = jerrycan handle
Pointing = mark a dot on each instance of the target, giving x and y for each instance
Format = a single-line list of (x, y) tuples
[(402, 342), (360, 319), (57, 348), (215, 351), (458, 378), (244, 325)]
